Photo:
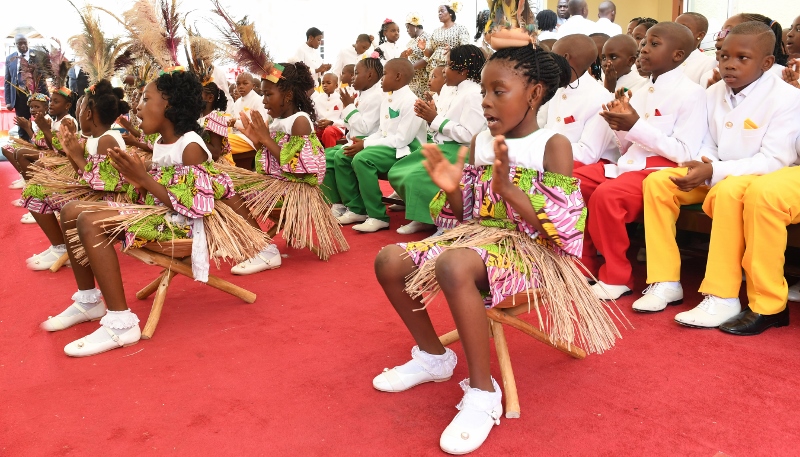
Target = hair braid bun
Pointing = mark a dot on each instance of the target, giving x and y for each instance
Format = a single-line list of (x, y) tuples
[(536, 65)]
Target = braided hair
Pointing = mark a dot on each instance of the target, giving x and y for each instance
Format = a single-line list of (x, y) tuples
[(105, 102), (381, 33), (780, 52), (184, 95), (546, 20), (220, 102), (480, 23), (470, 58), (536, 65), (647, 22), (371, 63), (297, 80)]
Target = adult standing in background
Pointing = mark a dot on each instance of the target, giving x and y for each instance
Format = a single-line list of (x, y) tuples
[(308, 53), (15, 98), (562, 9), (606, 13), (448, 36), (78, 80), (577, 22), (413, 52)]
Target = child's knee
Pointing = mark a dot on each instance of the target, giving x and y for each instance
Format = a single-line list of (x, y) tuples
[(389, 263), (70, 212), (454, 267), (761, 193)]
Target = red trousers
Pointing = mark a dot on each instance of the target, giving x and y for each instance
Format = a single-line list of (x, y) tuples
[(329, 136), (612, 203)]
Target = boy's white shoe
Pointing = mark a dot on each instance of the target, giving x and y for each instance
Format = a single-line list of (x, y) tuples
[(710, 313), (117, 329), (338, 209), (479, 411), (422, 368), (268, 259), (46, 259), (658, 296), (414, 227), (28, 219), (18, 184), (794, 293), (350, 217), (87, 305), (609, 292), (371, 225)]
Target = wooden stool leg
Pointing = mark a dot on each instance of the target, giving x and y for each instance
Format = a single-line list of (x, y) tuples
[(449, 338), (60, 262), (519, 324), (150, 288), (509, 384), (158, 305)]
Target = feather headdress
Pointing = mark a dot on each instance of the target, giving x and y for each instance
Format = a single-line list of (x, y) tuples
[(153, 29), (201, 54), (59, 66), (99, 56), (243, 38)]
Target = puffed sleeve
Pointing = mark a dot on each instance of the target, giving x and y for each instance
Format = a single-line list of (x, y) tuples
[(100, 175), (441, 212), (300, 155), (192, 189)]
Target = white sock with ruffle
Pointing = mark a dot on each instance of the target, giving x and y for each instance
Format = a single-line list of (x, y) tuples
[(86, 299), (118, 322), (437, 365)]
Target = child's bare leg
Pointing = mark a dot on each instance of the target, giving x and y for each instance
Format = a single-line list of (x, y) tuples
[(50, 226), (83, 273), (391, 269), (10, 155), (237, 204), (461, 274), (24, 158), (102, 257)]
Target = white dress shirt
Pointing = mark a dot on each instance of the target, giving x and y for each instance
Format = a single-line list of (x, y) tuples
[(775, 69), (604, 25), (633, 81), (347, 56), (250, 102), (399, 125), (574, 112), (391, 50), (768, 103), (310, 57), (577, 24), (362, 117), (548, 35), (463, 118), (328, 107), (697, 64), (672, 124)]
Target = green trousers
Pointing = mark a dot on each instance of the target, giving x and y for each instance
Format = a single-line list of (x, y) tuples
[(329, 184), (411, 181), (357, 179)]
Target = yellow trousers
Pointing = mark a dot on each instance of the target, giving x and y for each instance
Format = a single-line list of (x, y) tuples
[(723, 203), (238, 143), (771, 203)]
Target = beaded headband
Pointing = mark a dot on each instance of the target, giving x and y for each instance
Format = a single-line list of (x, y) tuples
[(37, 97)]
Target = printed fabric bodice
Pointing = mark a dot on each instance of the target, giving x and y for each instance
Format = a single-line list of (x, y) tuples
[(302, 158)]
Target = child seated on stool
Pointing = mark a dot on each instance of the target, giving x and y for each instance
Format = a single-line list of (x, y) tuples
[(454, 127), (328, 105), (619, 64), (751, 133), (248, 100), (698, 63), (400, 132), (362, 118), (575, 110), (659, 126)]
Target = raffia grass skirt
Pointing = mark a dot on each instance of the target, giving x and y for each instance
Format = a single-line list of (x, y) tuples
[(305, 219), (566, 308)]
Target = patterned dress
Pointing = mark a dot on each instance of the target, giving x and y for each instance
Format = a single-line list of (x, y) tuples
[(419, 84), (456, 35)]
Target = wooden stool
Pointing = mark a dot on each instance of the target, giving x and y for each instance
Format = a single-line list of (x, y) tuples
[(60, 262), (505, 313), (175, 258)]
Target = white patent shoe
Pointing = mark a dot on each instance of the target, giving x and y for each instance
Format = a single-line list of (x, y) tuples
[(658, 296), (27, 218), (117, 329), (87, 306), (46, 259), (267, 259), (710, 313), (479, 411), (422, 368), (609, 292), (794, 293), (18, 184)]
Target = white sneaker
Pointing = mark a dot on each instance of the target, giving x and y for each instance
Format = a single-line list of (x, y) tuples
[(641, 256), (18, 184), (28, 219), (338, 209), (794, 293), (267, 259), (422, 368), (76, 313), (18, 203), (609, 292), (479, 411), (414, 227), (658, 296), (350, 217), (46, 259), (710, 313), (371, 225)]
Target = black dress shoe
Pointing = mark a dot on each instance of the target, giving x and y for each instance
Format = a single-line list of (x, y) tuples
[(748, 323)]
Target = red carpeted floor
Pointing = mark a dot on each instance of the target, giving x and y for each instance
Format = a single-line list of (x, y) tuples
[(291, 374)]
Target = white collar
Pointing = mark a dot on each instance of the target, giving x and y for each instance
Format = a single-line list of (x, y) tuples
[(744, 92)]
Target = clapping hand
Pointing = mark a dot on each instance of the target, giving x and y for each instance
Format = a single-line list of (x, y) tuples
[(425, 110), (130, 166), (70, 125), (610, 73), (791, 74), (501, 168), (42, 121), (346, 98), (324, 123), (254, 127), (715, 78), (620, 115), (129, 139), (445, 175), (23, 123), (355, 148), (69, 142), (698, 173)]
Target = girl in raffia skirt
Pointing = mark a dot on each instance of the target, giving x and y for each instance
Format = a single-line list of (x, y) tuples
[(176, 200), (515, 217)]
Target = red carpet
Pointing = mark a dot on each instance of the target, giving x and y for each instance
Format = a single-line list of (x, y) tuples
[(291, 374)]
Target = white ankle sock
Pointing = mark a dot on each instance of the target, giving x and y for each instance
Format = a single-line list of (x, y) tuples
[(437, 365), (61, 249), (87, 299)]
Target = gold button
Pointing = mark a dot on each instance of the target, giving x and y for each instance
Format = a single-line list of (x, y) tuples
[(387, 116), (646, 115), (728, 124), (630, 162), (558, 119), (651, 89), (564, 96), (390, 100)]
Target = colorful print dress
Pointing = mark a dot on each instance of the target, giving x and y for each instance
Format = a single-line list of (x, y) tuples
[(456, 35), (418, 84)]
